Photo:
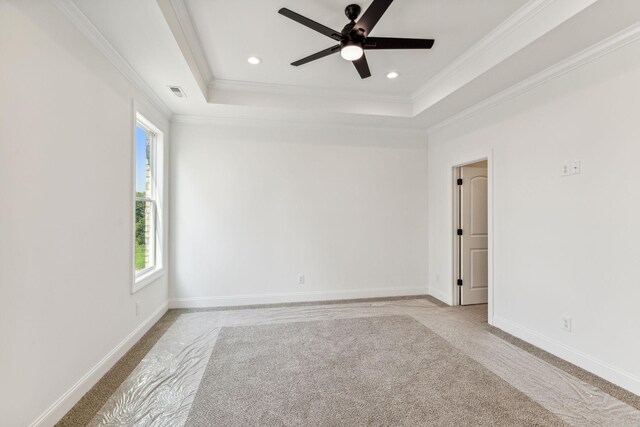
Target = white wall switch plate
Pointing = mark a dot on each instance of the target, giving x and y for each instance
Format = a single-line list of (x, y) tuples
[(566, 169), (575, 167), (301, 279), (566, 323)]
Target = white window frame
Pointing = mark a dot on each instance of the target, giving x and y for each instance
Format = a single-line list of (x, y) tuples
[(149, 275)]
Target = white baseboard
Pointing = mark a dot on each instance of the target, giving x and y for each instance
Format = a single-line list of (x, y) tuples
[(438, 294), (290, 297), (618, 377), (61, 406)]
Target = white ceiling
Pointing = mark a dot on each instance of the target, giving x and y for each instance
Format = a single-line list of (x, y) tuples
[(231, 31), (482, 47)]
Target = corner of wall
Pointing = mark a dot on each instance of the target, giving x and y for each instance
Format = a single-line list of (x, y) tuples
[(598, 367), (61, 406), (440, 295)]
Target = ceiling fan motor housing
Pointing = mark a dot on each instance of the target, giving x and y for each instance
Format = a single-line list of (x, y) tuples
[(352, 11)]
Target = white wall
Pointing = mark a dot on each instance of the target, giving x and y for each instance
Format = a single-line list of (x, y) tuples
[(66, 120), (255, 206), (562, 245)]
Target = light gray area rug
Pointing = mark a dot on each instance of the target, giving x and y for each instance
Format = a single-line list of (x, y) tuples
[(388, 370)]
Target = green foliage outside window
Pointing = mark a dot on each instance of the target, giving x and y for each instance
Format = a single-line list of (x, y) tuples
[(140, 238)]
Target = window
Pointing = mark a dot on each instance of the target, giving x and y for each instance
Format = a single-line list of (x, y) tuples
[(148, 206)]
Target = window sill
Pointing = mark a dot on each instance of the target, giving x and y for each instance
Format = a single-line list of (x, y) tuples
[(146, 279)]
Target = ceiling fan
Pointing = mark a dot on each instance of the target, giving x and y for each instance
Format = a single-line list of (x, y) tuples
[(354, 38)]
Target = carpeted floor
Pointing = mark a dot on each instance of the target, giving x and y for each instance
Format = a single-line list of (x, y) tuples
[(90, 404), (385, 361), (388, 370)]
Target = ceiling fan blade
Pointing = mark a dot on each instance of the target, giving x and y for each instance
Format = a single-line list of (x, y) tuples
[(372, 15), (363, 67), (317, 55), (397, 43), (310, 24)]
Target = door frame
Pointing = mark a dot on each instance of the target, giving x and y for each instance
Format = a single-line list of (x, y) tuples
[(465, 161)]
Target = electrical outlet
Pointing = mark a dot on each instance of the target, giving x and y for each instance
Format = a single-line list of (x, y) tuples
[(301, 279), (566, 169), (566, 323), (137, 308)]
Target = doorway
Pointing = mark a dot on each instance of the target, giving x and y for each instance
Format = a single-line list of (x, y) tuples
[(471, 219)]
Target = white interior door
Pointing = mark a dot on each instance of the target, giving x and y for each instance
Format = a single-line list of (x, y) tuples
[(474, 260)]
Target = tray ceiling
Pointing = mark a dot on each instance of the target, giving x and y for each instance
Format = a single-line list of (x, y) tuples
[(483, 48), (231, 31)]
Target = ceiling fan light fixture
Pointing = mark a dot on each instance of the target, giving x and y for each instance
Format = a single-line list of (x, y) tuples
[(354, 37), (352, 51)]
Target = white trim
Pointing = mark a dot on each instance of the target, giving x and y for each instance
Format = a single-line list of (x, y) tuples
[(322, 93), (142, 281), (309, 98), (491, 241), (314, 296), (86, 27), (531, 22), (455, 239), (610, 373), (184, 19), (524, 14), (301, 124), (61, 406), (179, 21), (604, 47)]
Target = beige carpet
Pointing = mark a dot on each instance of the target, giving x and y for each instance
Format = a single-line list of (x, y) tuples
[(83, 411), (366, 371)]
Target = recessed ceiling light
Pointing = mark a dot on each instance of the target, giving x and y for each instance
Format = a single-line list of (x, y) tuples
[(254, 60), (392, 75)]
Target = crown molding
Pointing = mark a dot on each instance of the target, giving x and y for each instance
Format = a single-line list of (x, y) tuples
[(82, 23), (192, 38), (252, 122), (191, 47), (598, 50), (529, 23), (283, 89), (524, 14), (179, 21), (305, 98)]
